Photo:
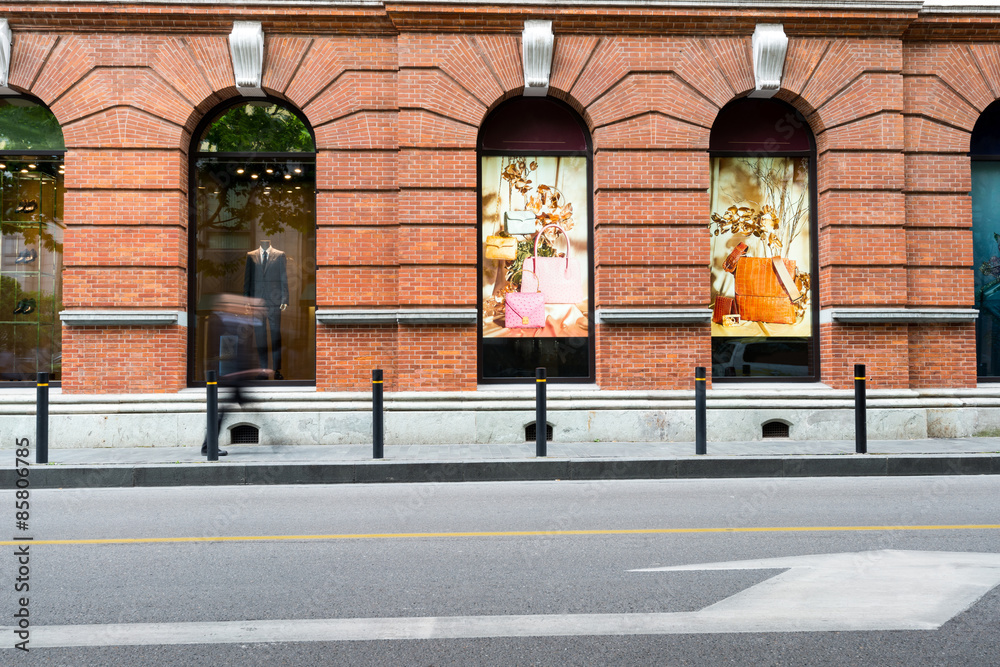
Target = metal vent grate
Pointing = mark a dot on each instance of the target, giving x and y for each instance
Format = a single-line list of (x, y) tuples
[(774, 430), (245, 434), (530, 433)]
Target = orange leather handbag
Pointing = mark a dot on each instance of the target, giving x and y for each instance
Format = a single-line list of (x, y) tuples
[(765, 290)]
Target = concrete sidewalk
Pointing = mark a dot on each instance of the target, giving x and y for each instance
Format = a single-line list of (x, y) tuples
[(328, 464)]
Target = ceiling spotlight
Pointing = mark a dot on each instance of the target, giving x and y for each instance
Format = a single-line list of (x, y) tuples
[(270, 171), (298, 171), (24, 171), (239, 171), (2, 165), (298, 187), (288, 176), (31, 166), (253, 175)]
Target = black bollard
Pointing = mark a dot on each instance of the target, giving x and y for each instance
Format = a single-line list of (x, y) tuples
[(700, 431), (541, 428), (42, 419), (860, 411), (378, 433), (212, 432)]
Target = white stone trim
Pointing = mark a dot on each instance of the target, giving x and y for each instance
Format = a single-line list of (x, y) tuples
[(246, 44), (375, 316), (370, 316), (960, 7), (122, 318), (654, 315), (6, 41), (537, 44), (769, 47), (437, 315), (897, 315)]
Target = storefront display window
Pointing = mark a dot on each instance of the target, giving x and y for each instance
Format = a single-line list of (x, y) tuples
[(535, 244), (31, 241), (985, 150), (254, 246), (764, 320)]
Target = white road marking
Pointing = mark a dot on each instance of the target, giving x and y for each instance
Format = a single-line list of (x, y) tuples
[(874, 590), (878, 590)]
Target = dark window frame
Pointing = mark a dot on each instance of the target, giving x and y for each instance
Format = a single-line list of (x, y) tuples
[(986, 122), (193, 156), (49, 152), (814, 352), (591, 378)]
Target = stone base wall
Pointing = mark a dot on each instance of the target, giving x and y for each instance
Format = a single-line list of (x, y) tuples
[(501, 417)]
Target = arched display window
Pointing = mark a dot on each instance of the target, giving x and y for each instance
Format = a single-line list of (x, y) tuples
[(765, 319), (985, 153), (536, 243), (31, 252), (253, 245)]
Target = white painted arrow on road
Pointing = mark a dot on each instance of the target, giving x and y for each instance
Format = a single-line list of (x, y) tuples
[(875, 590)]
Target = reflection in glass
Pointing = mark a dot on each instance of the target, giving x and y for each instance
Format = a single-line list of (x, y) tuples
[(257, 127), (986, 260), (256, 238), (26, 125), (31, 250), (255, 244)]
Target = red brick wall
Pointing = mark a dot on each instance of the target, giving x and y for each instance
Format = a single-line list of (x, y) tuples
[(882, 348), (941, 355), (945, 89), (346, 356), (396, 98), (124, 360), (644, 356)]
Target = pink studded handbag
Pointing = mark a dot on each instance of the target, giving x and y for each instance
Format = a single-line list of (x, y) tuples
[(558, 278), (524, 310)]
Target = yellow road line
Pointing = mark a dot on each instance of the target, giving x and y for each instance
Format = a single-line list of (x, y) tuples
[(514, 533)]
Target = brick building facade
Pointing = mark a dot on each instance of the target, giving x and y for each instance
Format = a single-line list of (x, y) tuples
[(396, 93)]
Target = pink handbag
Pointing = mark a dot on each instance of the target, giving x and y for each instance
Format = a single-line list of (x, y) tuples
[(557, 278), (524, 310)]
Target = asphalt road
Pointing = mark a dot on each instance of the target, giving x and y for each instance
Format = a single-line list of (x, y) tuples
[(514, 573)]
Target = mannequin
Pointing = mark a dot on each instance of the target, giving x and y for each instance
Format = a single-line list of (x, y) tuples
[(266, 278)]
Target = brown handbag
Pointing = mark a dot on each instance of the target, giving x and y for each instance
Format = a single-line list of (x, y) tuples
[(724, 305), (765, 290)]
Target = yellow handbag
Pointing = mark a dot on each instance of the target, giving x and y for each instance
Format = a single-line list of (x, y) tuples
[(500, 247)]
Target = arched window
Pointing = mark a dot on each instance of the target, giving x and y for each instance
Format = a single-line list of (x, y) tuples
[(253, 245), (985, 152), (765, 320), (31, 222), (536, 243)]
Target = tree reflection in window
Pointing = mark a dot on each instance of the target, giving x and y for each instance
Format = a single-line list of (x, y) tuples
[(257, 127)]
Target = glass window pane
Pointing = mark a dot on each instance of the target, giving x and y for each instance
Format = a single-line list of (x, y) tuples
[(28, 126), (255, 312), (536, 276), (986, 260), (762, 324), (31, 250), (258, 127)]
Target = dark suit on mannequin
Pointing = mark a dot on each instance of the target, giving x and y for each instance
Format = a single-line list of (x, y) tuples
[(268, 280)]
